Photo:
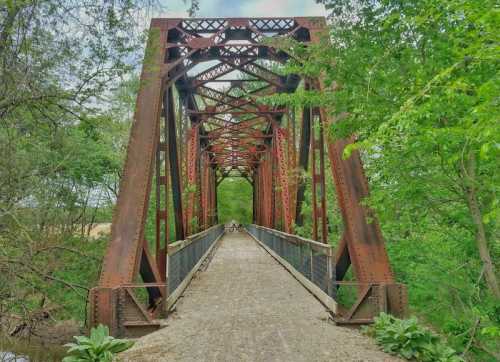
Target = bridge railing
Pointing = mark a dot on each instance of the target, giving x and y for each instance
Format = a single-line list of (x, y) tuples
[(311, 262), (185, 258), (130, 311)]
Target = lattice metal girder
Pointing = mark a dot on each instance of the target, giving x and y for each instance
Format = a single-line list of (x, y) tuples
[(224, 52), (224, 97), (236, 146), (234, 150), (251, 68), (235, 157), (237, 130), (246, 66), (231, 129), (283, 174), (237, 113), (228, 106), (217, 71), (240, 141), (212, 25), (227, 142), (192, 173), (237, 163), (230, 135), (248, 154), (261, 92)]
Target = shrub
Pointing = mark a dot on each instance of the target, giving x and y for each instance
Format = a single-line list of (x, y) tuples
[(99, 347), (406, 338)]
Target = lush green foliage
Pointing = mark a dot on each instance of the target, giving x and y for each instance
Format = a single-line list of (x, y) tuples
[(235, 201), (99, 347), (417, 83), (406, 338), (61, 149)]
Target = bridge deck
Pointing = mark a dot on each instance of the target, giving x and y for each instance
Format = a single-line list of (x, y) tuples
[(247, 307)]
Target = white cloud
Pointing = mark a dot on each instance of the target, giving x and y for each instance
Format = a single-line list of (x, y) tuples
[(247, 8), (280, 8)]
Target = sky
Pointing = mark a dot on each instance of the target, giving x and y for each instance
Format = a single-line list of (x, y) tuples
[(246, 8)]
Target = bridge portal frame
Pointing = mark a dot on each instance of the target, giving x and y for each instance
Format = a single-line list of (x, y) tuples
[(231, 132)]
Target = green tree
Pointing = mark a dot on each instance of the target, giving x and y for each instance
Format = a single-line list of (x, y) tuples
[(417, 83), (61, 140), (234, 198)]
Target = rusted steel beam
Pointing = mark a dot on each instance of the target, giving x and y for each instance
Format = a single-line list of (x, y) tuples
[(237, 113), (305, 141), (364, 238), (232, 133), (192, 159), (322, 184), (126, 255), (314, 184), (215, 72), (150, 274), (160, 212), (365, 242), (122, 258), (225, 102), (320, 231), (168, 105)]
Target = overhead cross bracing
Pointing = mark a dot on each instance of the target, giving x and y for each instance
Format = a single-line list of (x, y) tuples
[(199, 119), (224, 97)]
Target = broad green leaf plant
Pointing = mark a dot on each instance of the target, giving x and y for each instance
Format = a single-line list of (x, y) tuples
[(99, 347), (406, 338)]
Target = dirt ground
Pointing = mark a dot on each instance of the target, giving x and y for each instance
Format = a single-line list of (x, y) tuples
[(99, 230), (247, 307)]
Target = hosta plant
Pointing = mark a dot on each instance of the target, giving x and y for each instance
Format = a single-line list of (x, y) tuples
[(406, 338), (99, 347)]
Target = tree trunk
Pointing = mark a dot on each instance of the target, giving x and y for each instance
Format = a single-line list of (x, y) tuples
[(8, 24), (469, 173)]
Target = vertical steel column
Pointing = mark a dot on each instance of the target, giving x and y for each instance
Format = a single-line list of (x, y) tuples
[(260, 191), (192, 160), (305, 140), (206, 192), (292, 159), (268, 189), (162, 220), (175, 174), (125, 255), (283, 174), (324, 215), (272, 186), (254, 197), (158, 216), (212, 195), (277, 222), (314, 180), (198, 193), (318, 180), (364, 239)]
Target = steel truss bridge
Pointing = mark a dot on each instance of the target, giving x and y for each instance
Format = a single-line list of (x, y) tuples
[(210, 73)]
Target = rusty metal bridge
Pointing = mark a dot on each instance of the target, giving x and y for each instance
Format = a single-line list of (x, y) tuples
[(209, 73)]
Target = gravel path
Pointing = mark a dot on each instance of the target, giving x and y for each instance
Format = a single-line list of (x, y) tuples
[(247, 307)]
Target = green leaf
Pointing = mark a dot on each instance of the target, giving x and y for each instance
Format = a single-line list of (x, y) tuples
[(99, 347)]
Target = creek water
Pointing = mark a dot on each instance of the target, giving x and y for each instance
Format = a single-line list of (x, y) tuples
[(29, 351)]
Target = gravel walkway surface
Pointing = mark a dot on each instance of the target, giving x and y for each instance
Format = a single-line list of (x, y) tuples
[(247, 307)]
